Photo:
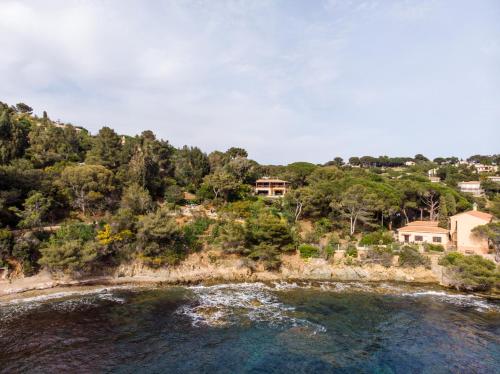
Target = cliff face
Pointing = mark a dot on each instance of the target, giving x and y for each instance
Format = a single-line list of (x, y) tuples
[(214, 267), (295, 267), (210, 267)]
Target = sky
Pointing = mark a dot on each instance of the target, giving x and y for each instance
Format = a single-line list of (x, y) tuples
[(287, 80)]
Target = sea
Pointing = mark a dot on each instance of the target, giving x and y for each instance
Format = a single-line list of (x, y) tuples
[(277, 327)]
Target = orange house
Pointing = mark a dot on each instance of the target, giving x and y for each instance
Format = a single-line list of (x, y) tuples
[(461, 232)]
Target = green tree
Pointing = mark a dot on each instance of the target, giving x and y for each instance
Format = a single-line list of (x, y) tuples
[(443, 212), (23, 108), (354, 161), (191, 165), (137, 199), (86, 185), (297, 173), (50, 144), (451, 204), (356, 204), (221, 183), (13, 137), (490, 188), (243, 169), (151, 163), (174, 194), (72, 248), (235, 152), (36, 207), (231, 237), (272, 230), (295, 200), (420, 158), (26, 251), (69, 256), (491, 232), (471, 273), (106, 149), (160, 239)]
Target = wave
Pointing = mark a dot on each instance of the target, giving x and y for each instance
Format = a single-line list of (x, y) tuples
[(228, 304), (62, 301), (479, 303)]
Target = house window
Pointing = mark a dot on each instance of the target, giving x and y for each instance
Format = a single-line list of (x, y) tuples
[(436, 239), (419, 238)]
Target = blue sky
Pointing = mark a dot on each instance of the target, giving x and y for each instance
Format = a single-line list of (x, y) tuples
[(287, 80)]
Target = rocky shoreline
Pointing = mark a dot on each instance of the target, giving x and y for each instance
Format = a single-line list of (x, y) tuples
[(208, 268)]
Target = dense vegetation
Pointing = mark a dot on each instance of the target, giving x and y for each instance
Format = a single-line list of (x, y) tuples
[(470, 272), (113, 198)]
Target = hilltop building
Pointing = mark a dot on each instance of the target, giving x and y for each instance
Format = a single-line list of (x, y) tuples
[(273, 188), (432, 175), (486, 168), (472, 187)]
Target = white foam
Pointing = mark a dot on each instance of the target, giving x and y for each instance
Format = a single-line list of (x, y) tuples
[(463, 300), (65, 301), (227, 304)]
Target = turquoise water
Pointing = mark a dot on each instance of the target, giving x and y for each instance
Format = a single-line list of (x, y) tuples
[(251, 328)]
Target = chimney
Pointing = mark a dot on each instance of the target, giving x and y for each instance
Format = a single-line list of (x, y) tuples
[(474, 206)]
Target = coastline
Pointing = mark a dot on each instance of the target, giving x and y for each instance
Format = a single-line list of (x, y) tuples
[(204, 268)]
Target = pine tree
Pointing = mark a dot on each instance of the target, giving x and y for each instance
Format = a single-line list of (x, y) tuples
[(443, 212)]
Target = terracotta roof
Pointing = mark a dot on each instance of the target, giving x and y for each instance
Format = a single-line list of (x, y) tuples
[(422, 228), (478, 214), (424, 223)]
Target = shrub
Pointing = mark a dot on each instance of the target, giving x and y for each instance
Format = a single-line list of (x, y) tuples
[(70, 249), (377, 238), (351, 251), (137, 199), (395, 247), (230, 236), (26, 250), (322, 226), (381, 255), (270, 229), (312, 237), (268, 254), (308, 251), (329, 250), (194, 230), (244, 208), (160, 238), (74, 231), (334, 240), (471, 273), (174, 194), (433, 247), (6, 243), (69, 256), (411, 257)]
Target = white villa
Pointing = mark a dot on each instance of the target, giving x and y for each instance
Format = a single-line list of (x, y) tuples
[(472, 187), (423, 232)]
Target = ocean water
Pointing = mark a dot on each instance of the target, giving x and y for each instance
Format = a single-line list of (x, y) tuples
[(324, 327)]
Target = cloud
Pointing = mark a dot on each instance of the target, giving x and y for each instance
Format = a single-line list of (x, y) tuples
[(285, 79)]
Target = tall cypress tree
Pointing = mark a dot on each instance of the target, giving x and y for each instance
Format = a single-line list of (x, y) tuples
[(443, 212)]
